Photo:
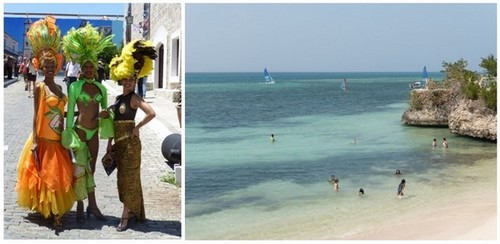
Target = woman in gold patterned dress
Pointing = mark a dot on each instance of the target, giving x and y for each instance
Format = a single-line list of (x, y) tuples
[(135, 61)]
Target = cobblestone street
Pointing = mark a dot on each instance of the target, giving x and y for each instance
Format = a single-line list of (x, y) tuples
[(162, 200)]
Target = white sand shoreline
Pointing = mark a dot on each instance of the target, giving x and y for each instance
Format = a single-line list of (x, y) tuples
[(472, 219)]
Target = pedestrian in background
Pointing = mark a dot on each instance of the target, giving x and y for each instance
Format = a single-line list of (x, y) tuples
[(23, 69), (71, 73), (127, 147), (101, 72), (16, 68), (8, 67), (81, 135), (44, 171), (32, 70), (140, 87)]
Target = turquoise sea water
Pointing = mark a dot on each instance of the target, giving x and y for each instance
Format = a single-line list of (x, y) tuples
[(239, 185)]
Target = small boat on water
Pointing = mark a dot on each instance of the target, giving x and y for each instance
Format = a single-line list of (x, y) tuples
[(420, 84), (268, 77), (416, 85), (343, 85)]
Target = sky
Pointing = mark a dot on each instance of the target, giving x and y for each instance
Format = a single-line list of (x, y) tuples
[(13, 24), (334, 37), (66, 8)]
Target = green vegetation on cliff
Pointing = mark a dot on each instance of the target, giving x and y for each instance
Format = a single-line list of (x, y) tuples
[(461, 81)]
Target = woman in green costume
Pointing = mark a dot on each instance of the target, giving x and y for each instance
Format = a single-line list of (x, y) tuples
[(83, 45), (135, 61)]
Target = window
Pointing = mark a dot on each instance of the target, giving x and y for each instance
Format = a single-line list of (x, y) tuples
[(174, 71)]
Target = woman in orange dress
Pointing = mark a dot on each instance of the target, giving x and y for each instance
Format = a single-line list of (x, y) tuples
[(45, 171)]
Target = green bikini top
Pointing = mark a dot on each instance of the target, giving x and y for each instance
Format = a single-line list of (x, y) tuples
[(85, 98), (76, 93)]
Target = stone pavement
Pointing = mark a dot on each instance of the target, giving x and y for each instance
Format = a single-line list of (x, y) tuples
[(162, 200)]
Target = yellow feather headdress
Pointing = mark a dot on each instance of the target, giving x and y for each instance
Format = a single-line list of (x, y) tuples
[(44, 38), (84, 44), (136, 60)]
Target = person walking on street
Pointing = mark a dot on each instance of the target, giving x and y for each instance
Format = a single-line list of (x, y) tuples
[(81, 135), (101, 72), (135, 61), (44, 171), (32, 71), (23, 69), (140, 87), (8, 67), (16, 68), (71, 73)]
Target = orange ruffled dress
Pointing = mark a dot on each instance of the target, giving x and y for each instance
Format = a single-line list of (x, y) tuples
[(47, 187)]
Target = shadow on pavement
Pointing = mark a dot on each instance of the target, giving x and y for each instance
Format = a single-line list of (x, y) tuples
[(69, 223)]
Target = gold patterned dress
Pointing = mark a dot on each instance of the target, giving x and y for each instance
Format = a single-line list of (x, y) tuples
[(128, 156), (45, 185)]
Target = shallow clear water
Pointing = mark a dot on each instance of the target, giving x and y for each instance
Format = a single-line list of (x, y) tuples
[(239, 185)]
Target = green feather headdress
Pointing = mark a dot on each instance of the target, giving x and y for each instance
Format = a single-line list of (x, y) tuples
[(136, 60), (84, 44)]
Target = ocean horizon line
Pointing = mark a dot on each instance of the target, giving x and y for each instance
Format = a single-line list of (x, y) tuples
[(303, 72)]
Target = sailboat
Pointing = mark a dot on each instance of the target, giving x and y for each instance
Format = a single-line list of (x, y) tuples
[(425, 77), (423, 83), (343, 85), (268, 77)]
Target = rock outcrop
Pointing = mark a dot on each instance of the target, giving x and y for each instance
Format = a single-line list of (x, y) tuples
[(445, 108), (472, 118)]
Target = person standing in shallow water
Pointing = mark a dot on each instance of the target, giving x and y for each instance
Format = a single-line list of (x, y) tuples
[(434, 142), (401, 187), (335, 182), (272, 138), (445, 143)]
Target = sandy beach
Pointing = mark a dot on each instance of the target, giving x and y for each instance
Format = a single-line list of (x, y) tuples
[(472, 219)]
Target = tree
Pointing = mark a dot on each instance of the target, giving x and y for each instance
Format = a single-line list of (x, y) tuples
[(456, 73), (489, 94), (490, 65), (107, 54)]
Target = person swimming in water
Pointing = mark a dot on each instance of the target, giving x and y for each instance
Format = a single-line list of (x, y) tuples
[(361, 192)]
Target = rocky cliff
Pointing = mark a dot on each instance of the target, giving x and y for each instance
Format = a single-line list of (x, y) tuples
[(472, 118), (446, 108)]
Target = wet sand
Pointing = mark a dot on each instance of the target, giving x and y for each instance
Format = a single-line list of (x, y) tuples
[(471, 219)]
